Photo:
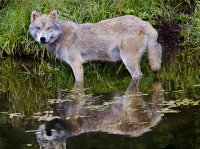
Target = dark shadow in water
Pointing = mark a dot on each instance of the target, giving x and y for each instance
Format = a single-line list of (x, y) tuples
[(125, 114)]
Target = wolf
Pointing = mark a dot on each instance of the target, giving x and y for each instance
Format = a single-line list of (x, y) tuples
[(124, 38), (126, 114)]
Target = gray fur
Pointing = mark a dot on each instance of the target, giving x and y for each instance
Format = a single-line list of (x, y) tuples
[(123, 38)]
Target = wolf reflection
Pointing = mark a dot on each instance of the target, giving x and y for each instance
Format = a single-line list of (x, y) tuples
[(126, 114)]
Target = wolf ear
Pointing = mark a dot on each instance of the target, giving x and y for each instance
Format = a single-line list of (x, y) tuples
[(54, 15), (34, 15)]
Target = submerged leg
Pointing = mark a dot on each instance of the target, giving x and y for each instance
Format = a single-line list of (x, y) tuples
[(78, 74), (134, 86)]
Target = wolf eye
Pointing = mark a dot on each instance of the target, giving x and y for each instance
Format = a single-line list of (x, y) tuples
[(38, 28), (48, 28)]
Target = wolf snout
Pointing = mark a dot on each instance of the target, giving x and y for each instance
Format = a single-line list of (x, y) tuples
[(42, 39)]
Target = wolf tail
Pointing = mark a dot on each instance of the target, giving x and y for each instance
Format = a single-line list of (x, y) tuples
[(154, 48)]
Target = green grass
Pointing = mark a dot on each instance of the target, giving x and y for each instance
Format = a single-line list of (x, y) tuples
[(26, 93), (15, 18), (29, 84), (191, 29), (183, 72)]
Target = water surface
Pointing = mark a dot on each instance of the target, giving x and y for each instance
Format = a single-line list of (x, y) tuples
[(114, 113)]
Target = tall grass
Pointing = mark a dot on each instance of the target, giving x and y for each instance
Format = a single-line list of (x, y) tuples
[(29, 85), (182, 73), (191, 29), (15, 17), (26, 94)]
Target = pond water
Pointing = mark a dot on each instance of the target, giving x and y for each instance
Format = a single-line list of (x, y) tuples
[(38, 109)]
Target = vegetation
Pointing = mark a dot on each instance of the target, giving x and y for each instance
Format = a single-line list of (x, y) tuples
[(26, 87), (15, 18), (30, 84), (192, 28), (176, 20)]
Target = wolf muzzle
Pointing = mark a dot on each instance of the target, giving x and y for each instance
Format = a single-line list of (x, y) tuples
[(42, 40)]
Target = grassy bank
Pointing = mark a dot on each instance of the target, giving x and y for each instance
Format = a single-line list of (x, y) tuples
[(25, 86), (191, 29), (15, 18)]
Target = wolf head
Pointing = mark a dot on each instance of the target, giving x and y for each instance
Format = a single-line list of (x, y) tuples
[(52, 135), (45, 28)]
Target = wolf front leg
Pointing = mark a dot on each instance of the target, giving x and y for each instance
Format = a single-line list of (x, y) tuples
[(77, 68)]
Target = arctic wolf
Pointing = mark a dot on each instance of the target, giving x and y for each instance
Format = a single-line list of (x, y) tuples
[(123, 38)]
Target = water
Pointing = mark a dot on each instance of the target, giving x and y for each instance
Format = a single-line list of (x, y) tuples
[(115, 112)]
